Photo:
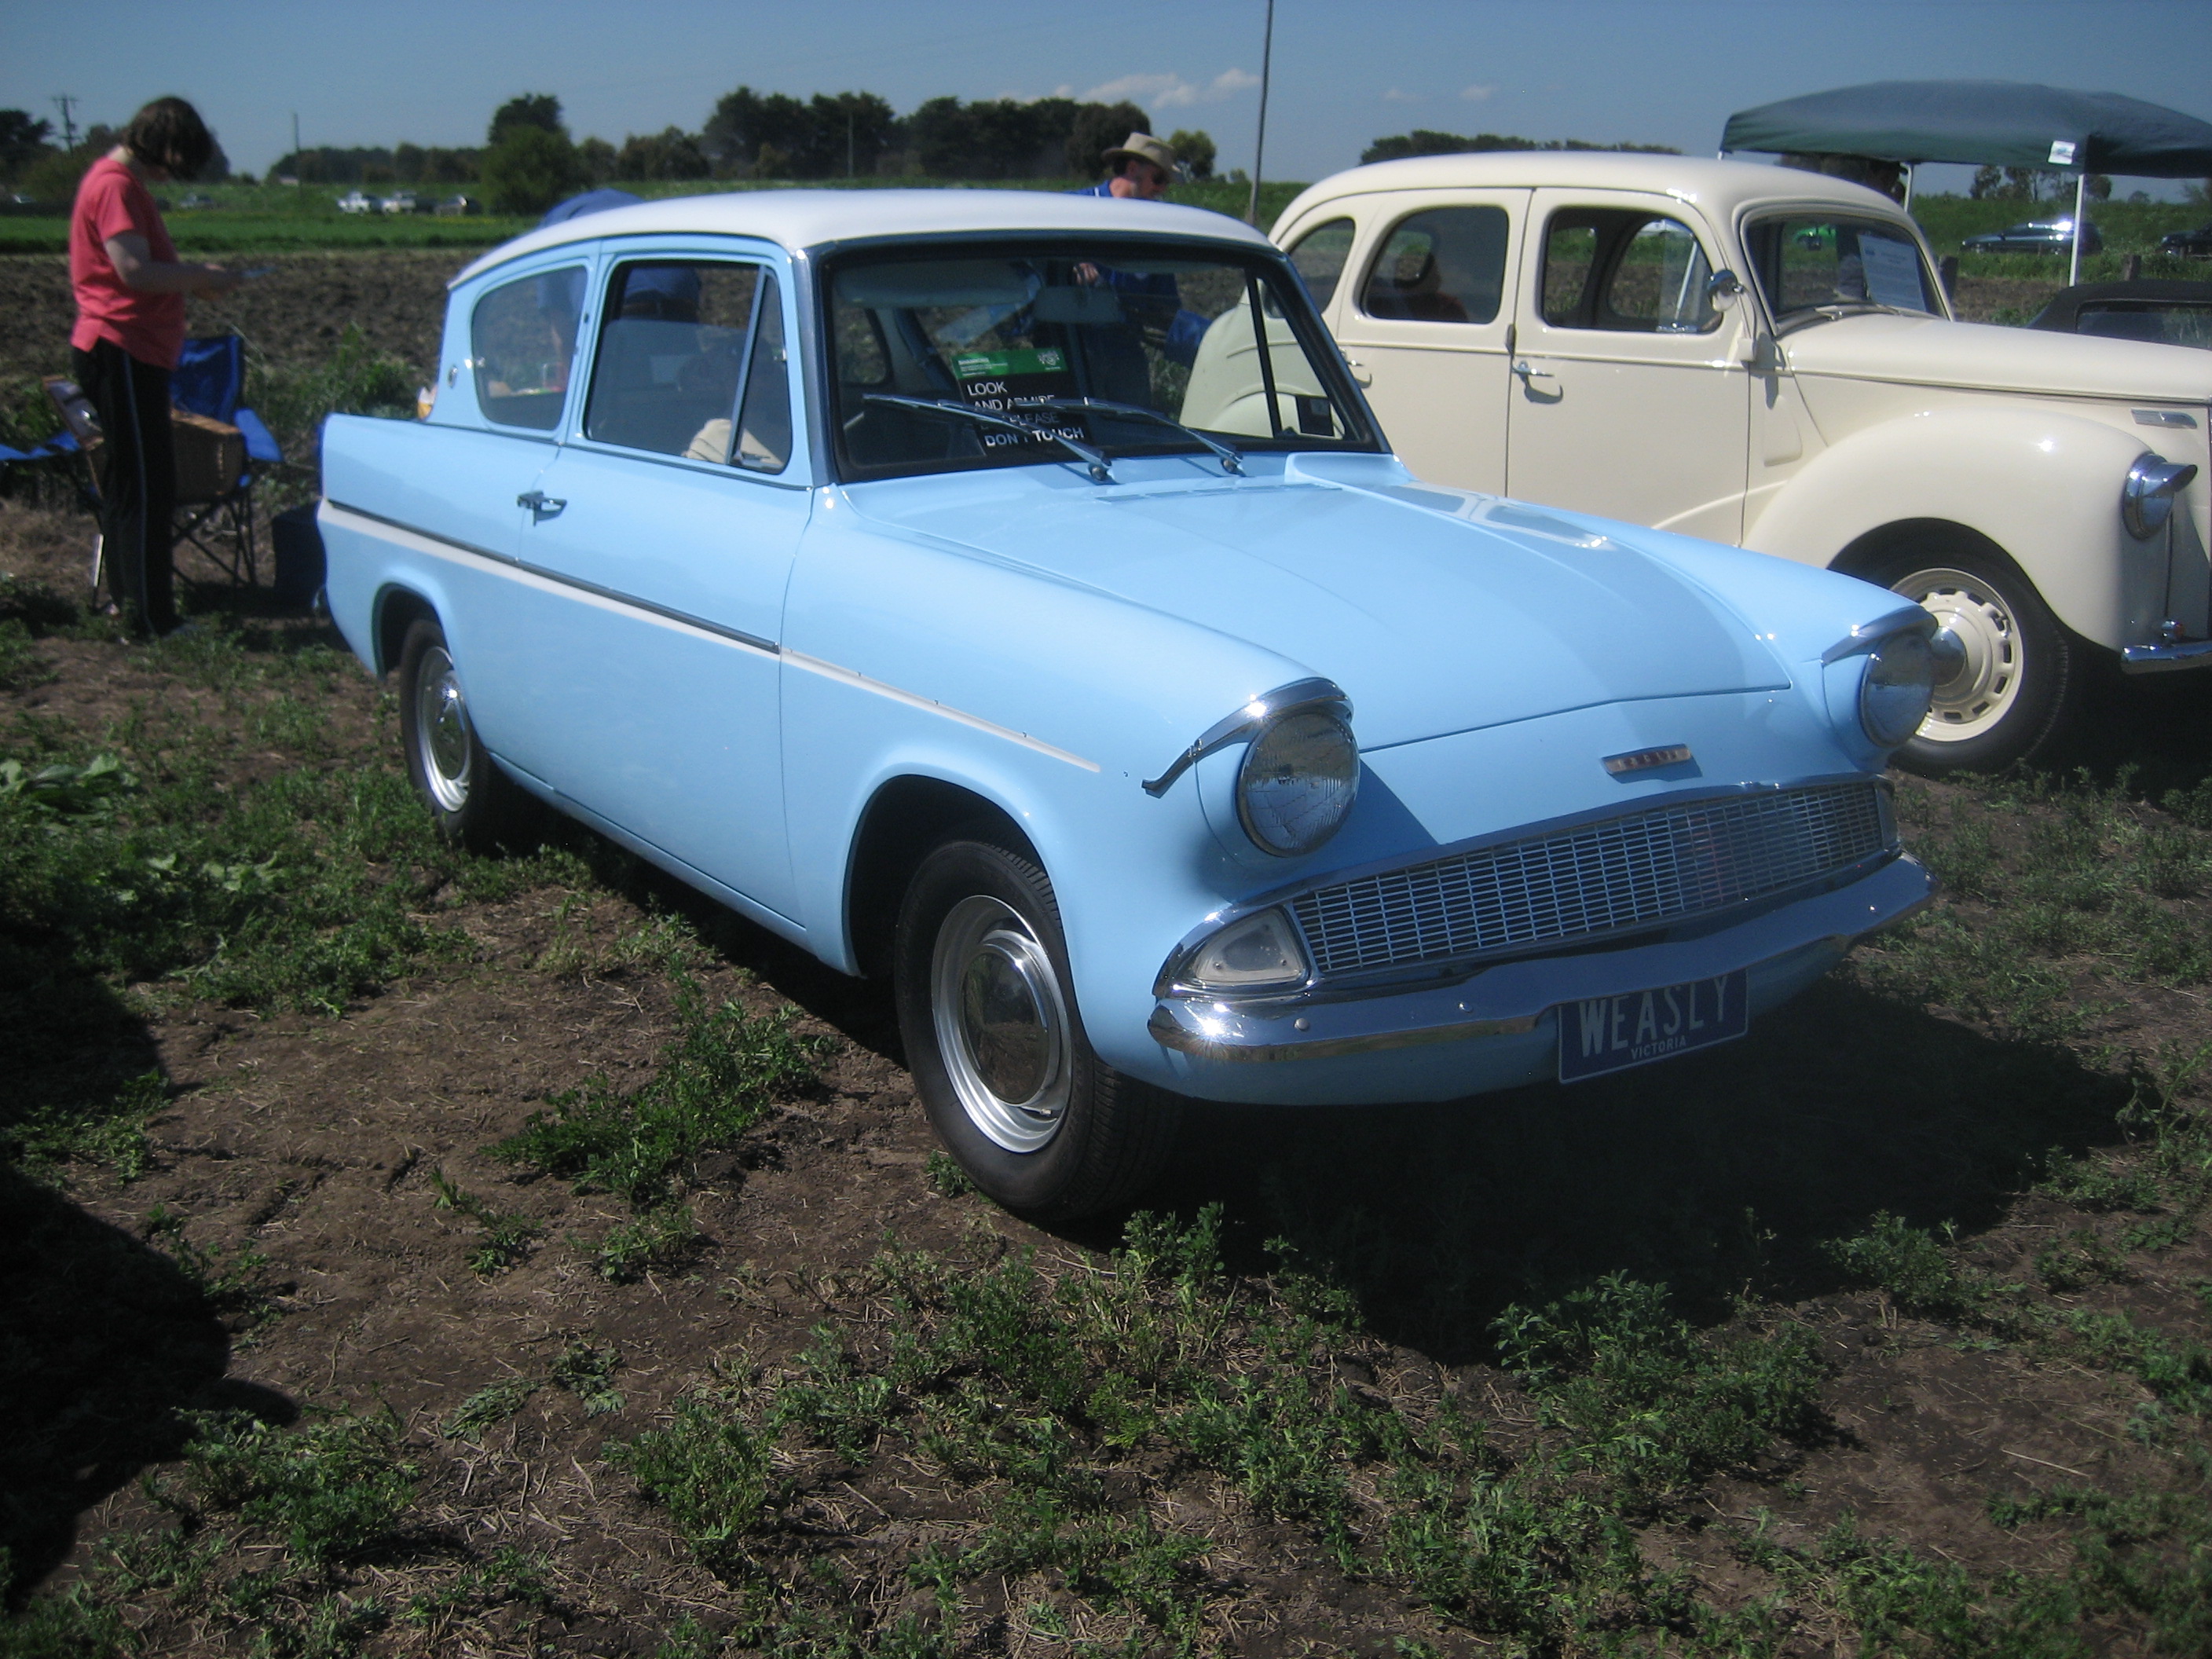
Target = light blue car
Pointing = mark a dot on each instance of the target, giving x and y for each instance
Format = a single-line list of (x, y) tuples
[(1009, 594)]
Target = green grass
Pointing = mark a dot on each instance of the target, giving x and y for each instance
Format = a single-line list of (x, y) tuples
[(716, 1080)]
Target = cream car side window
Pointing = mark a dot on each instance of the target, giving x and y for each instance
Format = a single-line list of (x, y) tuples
[(1320, 257), (1625, 270), (1441, 265)]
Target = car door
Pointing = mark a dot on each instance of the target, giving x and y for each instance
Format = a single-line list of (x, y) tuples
[(1425, 319), (521, 346), (662, 536), (1631, 398)]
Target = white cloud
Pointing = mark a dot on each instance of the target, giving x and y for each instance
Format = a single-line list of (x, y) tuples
[(1172, 91), (1477, 94), (1395, 96)]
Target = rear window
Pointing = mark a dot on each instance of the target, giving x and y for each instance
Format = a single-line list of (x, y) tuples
[(522, 343)]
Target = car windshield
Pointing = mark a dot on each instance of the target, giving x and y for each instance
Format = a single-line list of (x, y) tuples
[(1216, 341), (1814, 265)]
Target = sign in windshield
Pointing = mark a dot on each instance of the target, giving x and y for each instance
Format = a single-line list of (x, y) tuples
[(1807, 262), (1030, 336)]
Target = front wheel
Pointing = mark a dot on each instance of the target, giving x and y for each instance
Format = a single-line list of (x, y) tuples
[(471, 799), (995, 1041), (2007, 696)]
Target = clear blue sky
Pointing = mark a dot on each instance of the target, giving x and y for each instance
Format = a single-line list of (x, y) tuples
[(1601, 69)]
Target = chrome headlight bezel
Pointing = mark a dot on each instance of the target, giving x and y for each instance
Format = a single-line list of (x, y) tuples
[(1298, 782), (1897, 686), (2150, 491)]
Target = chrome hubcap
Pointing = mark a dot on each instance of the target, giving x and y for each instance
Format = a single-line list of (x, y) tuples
[(1002, 1026), (1984, 653), (442, 731)]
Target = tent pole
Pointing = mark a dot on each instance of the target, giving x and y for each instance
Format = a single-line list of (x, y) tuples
[(2081, 196)]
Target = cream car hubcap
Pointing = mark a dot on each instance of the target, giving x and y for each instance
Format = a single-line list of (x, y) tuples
[(1002, 1026), (442, 731), (1991, 657)]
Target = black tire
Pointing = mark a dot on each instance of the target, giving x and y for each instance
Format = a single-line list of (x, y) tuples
[(2011, 698), (1084, 1137), (473, 803)]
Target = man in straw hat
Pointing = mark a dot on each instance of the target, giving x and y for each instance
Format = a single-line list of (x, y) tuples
[(1143, 169)]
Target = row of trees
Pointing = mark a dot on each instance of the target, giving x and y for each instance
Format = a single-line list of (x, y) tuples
[(1423, 141), (528, 149)]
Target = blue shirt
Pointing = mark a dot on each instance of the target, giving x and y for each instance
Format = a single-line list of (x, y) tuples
[(1188, 328)]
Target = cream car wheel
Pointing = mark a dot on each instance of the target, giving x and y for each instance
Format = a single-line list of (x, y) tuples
[(1992, 653)]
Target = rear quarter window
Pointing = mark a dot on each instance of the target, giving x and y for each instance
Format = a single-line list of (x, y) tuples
[(522, 344)]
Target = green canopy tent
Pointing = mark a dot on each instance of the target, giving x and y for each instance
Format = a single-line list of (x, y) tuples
[(1983, 124)]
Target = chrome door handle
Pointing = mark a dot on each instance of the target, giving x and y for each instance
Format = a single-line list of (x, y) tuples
[(541, 505), (1361, 375), (1526, 373)]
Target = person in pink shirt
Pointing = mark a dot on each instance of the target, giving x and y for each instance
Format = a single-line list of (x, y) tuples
[(131, 289)]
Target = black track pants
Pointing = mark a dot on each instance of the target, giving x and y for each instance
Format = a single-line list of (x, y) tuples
[(138, 481)]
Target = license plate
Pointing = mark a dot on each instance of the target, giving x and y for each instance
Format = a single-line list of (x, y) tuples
[(1610, 1033)]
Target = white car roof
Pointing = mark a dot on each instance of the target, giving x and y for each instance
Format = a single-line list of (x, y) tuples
[(1720, 187), (798, 219)]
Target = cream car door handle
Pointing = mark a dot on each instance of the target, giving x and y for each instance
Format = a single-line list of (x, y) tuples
[(1526, 373), (1361, 375)]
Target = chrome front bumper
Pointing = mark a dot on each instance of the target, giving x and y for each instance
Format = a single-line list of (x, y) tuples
[(1797, 940), (2166, 659)]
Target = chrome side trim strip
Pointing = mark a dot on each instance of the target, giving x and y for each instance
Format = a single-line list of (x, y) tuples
[(913, 700), (439, 547), (546, 581)]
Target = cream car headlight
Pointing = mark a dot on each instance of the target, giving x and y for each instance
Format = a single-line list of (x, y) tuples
[(1897, 688), (1300, 775), (2147, 498), (1256, 953)]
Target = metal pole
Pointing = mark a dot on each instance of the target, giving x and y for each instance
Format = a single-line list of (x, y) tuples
[(64, 101), (1260, 143), (1907, 203), (2081, 196)]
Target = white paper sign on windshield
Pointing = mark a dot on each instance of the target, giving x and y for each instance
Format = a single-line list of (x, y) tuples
[(1892, 272)]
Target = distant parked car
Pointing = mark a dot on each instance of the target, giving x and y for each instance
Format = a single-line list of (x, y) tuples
[(454, 206), (197, 200), (973, 588), (2044, 236), (355, 202), (2165, 313), (1766, 357), (403, 201), (2192, 243)]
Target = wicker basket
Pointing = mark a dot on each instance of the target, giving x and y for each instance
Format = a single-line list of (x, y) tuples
[(210, 457)]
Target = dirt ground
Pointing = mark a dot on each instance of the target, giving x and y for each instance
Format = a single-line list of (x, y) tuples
[(316, 1141)]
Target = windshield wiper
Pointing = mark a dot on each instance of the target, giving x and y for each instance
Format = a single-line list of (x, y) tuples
[(1828, 313), (1094, 459), (1230, 460)]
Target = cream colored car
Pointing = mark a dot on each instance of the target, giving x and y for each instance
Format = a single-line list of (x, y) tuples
[(1765, 356)]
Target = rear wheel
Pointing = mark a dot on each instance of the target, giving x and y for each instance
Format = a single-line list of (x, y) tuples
[(996, 1045), (2006, 697), (473, 802)]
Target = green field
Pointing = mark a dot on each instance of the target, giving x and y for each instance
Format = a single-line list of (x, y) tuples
[(277, 218)]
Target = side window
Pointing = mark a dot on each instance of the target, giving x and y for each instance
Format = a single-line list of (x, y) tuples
[(522, 340), (1628, 271), (673, 351), (1444, 265), (764, 423), (1320, 257)]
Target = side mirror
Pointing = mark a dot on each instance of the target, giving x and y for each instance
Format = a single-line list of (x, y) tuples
[(1723, 286)]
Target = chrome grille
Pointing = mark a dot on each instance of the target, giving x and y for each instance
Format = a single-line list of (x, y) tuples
[(1644, 868)]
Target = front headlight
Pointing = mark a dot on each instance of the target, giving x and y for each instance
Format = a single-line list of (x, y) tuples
[(2147, 497), (1297, 782), (1897, 688)]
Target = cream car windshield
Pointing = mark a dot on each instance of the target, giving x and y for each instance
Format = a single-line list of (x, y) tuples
[(952, 358), (1813, 265)]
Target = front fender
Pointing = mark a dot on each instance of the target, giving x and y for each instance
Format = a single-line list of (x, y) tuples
[(2042, 484)]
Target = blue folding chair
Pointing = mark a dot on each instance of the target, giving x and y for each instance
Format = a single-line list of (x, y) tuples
[(210, 379)]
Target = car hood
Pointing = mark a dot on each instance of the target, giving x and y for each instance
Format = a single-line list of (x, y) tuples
[(1983, 358), (1432, 624)]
